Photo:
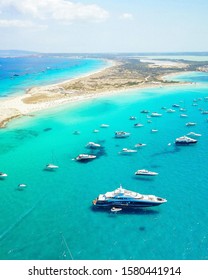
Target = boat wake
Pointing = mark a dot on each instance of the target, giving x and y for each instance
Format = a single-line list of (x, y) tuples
[(19, 220)]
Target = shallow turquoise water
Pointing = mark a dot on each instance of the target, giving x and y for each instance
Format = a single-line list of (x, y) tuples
[(53, 219)]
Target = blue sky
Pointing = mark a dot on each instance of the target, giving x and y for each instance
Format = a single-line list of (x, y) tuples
[(104, 26)]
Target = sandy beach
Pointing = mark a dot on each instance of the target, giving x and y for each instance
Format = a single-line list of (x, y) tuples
[(118, 76)]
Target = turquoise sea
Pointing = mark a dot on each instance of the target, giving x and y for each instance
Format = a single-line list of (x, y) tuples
[(53, 219)]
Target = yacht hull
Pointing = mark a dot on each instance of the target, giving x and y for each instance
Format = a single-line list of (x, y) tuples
[(127, 205)]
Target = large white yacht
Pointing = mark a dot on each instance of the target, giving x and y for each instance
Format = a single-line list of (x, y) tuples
[(126, 199), (184, 140)]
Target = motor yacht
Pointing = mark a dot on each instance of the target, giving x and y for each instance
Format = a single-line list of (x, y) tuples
[(104, 125), (138, 125), (170, 111), (175, 106), (3, 175), (121, 134), (93, 145), (85, 157), (126, 199), (144, 172), (127, 151), (139, 145), (184, 140), (190, 124), (51, 166), (194, 134), (155, 114)]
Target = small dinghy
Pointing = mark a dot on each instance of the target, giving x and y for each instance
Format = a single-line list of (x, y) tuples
[(115, 209)]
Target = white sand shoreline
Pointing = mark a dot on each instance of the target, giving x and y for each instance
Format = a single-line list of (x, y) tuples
[(15, 107)]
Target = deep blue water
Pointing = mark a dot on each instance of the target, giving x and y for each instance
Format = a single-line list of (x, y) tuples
[(52, 218), (19, 73)]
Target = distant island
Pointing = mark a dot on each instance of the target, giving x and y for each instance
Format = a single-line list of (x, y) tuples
[(16, 53)]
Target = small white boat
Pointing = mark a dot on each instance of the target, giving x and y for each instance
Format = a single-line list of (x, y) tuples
[(51, 166), (190, 124), (132, 118), (175, 106), (95, 131), (144, 172), (122, 134), (85, 157), (139, 145), (155, 114), (170, 111), (3, 175), (194, 134), (154, 130), (104, 125), (138, 125), (115, 209), (183, 115), (22, 186), (126, 151), (205, 112), (93, 145)]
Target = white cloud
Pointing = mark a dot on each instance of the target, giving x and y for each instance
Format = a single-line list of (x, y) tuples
[(127, 16), (59, 10)]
